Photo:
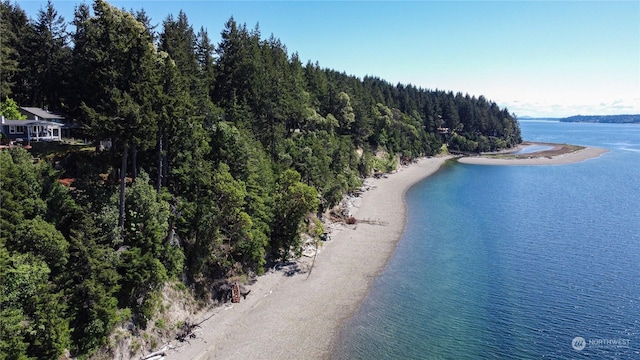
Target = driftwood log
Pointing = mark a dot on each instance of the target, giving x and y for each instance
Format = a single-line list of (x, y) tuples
[(373, 222), (156, 354), (155, 357)]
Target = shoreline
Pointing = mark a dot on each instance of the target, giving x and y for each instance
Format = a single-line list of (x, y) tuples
[(300, 315), (559, 154)]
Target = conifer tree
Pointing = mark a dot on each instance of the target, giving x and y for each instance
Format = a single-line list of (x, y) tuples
[(118, 53), (47, 59), (14, 27)]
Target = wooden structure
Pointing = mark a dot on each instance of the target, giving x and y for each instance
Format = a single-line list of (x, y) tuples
[(235, 292)]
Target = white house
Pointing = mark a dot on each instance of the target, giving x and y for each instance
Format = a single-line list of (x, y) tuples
[(31, 130)]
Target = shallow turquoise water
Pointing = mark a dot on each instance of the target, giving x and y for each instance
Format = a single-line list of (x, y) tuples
[(514, 262), (533, 148)]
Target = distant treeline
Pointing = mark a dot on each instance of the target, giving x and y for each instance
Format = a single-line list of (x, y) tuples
[(618, 119), (220, 157)]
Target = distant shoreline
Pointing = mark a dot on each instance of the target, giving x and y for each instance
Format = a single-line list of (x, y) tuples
[(558, 154), (601, 119)]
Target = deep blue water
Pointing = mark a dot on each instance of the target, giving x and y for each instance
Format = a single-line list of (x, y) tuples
[(514, 262)]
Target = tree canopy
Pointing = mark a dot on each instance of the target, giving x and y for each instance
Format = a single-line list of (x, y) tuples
[(222, 156)]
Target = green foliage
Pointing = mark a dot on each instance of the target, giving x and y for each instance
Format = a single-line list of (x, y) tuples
[(147, 221), (149, 257), (293, 201), (220, 161), (142, 277), (13, 344), (35, 312), (259, 184), (93, 283), (21, 190), (9, 109), (318, 228), (13, 24), (344, 113), (120, 51), (385, 164), (47, 59), (42, 239)]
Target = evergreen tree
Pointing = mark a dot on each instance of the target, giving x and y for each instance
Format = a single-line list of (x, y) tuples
[(120, 54), (179, 41), (244, 144), (206, 64), (235, 71), (14, 28), (28, 296), (47, 59), (149, 256), (33, 255)]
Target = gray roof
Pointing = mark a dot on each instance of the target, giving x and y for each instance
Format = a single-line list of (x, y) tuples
[(30, 123), (41, 113)]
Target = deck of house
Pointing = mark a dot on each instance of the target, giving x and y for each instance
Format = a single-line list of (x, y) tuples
[(31, 130)]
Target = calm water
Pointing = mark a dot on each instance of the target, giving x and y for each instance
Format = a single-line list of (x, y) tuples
[(515, 262), (533, 148)]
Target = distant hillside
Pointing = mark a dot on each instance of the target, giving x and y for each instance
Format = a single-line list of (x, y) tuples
[(617, 119), (529, 118)]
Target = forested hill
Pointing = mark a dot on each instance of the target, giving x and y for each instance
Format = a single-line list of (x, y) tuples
[(617, 119), (221, 156)]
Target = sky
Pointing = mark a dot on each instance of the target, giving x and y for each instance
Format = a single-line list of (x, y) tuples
[(536, 58)]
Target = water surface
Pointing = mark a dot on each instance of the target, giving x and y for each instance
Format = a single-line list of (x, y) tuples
[(515, 262), (533, 148)]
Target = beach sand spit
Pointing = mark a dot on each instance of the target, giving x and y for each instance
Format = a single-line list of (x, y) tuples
[(300, 316), (537, 158)]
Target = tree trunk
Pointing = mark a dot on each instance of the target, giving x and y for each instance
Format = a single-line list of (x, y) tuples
[(165, 160), (134, 161), (123, 185), (160, 163)]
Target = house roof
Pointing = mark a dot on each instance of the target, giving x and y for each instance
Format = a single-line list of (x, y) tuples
[(30, 123), (41, 113)]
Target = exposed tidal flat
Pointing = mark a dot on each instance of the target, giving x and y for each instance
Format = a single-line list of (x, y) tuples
[(536, 153)]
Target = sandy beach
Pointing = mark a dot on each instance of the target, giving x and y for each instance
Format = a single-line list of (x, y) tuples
[(537, 158), (294, 313), (299, 315)]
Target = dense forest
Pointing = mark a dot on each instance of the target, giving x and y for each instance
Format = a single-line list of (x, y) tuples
[(222, 157)]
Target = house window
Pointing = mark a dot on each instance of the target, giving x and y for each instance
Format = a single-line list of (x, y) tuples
[(55, 132), (16, 129)]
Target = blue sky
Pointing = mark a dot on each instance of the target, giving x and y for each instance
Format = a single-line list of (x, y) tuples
[(542, 58)]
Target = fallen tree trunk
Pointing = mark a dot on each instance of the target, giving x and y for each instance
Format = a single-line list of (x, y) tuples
[(156, 354)]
